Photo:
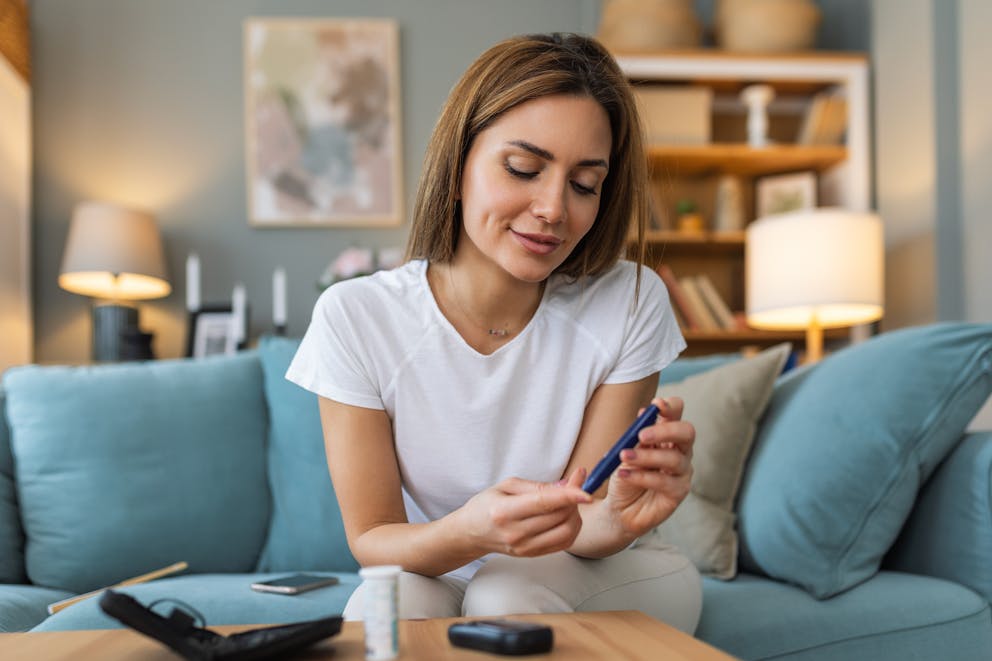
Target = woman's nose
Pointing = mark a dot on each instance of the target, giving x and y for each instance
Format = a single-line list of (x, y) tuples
[(549, 204)]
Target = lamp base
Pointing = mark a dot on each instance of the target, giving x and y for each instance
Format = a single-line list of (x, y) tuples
[(116, 336), (814, 341)]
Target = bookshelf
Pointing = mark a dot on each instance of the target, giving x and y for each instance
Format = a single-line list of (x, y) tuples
[(691, 171)]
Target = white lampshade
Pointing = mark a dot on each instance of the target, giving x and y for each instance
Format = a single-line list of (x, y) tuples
[(815, 267), (113, 252)]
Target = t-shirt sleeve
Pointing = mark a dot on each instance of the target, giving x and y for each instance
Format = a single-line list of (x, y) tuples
[(332, 360), (652, 338)]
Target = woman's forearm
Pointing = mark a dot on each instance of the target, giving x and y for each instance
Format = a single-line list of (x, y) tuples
[(430, 549)]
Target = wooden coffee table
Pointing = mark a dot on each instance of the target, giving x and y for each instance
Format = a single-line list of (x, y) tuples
[(628, 635)]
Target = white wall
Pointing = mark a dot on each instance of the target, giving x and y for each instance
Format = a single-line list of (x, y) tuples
[(905, 156), (15, 191), (974, 19), (933, 132)]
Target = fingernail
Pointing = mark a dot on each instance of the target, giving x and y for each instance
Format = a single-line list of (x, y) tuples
[(624, 473), (561, 483), (628, 455)]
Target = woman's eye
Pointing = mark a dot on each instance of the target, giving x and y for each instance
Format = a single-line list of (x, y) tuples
[(583, 190), (521, 174)]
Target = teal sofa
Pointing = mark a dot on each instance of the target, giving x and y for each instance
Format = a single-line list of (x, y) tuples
[(865, 510)]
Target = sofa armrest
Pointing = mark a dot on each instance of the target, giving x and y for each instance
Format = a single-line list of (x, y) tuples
[(949, 532)]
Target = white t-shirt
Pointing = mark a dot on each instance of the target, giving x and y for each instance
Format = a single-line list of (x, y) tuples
[(463, 421)]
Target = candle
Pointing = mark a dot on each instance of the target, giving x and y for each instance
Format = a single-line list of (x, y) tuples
[(238, 313), (193, 282), (279, 297)]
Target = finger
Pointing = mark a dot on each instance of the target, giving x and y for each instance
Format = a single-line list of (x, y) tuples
[(667, 460), (674, 487), (521, 529), (550, 540), (516, 533), (669, 408), (576, 479), (676, 434), (533, 498)]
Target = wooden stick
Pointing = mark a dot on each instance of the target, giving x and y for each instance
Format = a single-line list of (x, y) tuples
[(144, 578)]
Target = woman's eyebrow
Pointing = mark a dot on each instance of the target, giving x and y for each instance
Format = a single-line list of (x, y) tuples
[(548, 156)]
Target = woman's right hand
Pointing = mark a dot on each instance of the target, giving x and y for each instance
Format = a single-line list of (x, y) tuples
[(523, 518)]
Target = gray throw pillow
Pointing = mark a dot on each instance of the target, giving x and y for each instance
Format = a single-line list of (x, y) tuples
[(725, 405)]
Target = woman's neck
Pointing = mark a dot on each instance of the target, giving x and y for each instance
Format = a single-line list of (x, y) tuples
[(485, 305)]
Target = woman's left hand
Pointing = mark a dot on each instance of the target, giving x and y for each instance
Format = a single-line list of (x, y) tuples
[(656, 473)]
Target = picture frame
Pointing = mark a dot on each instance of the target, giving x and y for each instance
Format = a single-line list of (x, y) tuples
[(323, 122), (782, 193), (211, 332)]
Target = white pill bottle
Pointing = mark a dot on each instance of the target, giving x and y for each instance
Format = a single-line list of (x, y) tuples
[(380, 615)]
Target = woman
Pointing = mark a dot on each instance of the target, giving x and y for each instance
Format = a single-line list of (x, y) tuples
[(465, 394)]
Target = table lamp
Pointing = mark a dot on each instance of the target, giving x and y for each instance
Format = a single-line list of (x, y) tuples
[(814, 269), (114, 255)]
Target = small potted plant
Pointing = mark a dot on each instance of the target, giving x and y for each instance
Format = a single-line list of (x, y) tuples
[(689, 218)]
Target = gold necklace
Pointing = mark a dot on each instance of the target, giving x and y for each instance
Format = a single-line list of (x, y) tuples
[(495, 332)]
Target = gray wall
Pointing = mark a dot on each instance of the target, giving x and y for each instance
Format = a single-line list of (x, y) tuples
[(140, 101), (933, 143), (933, 88)]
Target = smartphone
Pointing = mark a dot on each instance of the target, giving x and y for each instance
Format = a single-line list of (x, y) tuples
[(502, 636), (611, 459), (294, 583)]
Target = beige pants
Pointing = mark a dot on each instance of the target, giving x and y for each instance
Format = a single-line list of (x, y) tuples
[(658, 581)]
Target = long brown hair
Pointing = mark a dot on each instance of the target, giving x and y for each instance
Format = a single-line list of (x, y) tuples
[(508, 74)]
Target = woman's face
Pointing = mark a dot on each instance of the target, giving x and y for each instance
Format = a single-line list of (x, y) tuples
[(531, 185)]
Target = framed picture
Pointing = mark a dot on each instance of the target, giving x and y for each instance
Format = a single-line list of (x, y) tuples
[(211, 332), (322, 116), (781, 193)]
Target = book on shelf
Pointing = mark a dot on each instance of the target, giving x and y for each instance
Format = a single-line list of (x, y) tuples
[(826, 120), (721, 311), (678, 298), (705, 318)]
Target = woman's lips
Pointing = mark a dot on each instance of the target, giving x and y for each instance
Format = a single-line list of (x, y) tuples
[(541, 244)]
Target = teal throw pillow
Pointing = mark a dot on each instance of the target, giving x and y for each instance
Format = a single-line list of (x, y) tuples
[(123, 469), (11, 535), (306, 532), (846, 444)]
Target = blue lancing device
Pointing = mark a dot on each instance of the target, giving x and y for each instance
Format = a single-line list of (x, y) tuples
[(611, 459)]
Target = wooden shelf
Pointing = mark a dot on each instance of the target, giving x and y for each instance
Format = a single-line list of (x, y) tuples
[(804, 73), (740, 159), (693, 171), (709, 239), (700, 343)]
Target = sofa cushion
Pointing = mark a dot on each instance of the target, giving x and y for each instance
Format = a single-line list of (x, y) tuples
[(724, 404), (122, 469), (11, 534), (306, 532), (24, 606), (845, 446), (891, 616), (949, 532), (219, 598)]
